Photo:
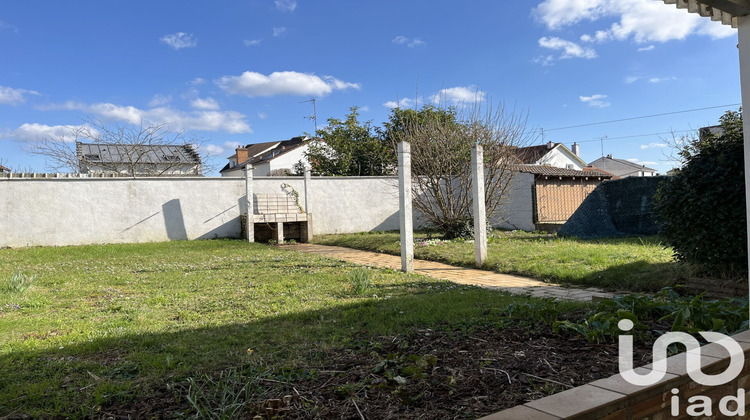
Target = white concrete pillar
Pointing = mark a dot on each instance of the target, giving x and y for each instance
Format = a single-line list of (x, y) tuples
[(405, 206), (744, 47), (279, 233), (478, 205), (308, 203), (249, 218)]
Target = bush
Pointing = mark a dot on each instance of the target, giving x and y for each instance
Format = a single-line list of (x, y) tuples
[(701, 209)]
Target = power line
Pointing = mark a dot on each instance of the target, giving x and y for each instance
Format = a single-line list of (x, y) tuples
[(635, 136), (641, 117)]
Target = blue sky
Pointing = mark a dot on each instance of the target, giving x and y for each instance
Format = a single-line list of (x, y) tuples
[(236, 72)]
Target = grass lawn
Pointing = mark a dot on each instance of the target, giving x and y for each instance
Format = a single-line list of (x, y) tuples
[(633, 263), (206, 329)]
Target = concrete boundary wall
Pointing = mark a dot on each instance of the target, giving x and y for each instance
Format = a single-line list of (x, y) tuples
[(614, 398), (75, 211)]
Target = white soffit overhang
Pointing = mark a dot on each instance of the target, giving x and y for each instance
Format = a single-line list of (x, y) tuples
[(724, 11)]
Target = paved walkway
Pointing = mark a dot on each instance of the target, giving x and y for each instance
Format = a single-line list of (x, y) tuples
[(470, 276)]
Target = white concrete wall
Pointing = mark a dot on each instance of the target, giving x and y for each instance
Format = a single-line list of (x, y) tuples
[(73, 211), (113, 210), (516, 211), (343, 204)]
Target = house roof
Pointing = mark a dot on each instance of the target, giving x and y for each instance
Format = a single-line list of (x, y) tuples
[(533, 154), (125, 153), (567, 173), (4, 169), (724, 11), (264, 152), (610, 163)]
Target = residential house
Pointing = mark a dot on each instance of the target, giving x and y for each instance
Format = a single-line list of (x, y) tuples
[(551, 154), (138, 159), (269, 158), (4, 170), (622, 168)]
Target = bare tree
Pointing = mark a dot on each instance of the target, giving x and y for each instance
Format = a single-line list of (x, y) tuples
[(441, 141), (125, 149)]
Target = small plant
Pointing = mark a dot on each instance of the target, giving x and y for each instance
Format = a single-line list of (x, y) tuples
[(360, 281), (225, 397), (291, 192), (18, 283)]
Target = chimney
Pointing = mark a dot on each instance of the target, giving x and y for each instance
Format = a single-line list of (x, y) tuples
[(576, 149), (242, 155), (550, 145)]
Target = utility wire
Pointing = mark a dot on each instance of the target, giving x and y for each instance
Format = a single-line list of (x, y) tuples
[(641, 117), (634, 136)]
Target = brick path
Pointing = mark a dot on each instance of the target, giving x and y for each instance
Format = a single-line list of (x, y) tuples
[(483, 278)]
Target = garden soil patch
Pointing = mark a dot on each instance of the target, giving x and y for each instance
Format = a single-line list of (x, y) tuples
[(425, 374)]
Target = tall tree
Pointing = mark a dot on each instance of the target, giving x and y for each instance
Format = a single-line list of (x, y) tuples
[(441, 140), (350, 148)]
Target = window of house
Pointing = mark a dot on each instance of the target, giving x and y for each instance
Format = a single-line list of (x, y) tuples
[(92, 157)]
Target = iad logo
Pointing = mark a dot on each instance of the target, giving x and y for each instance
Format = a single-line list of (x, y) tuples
[(702, 405)]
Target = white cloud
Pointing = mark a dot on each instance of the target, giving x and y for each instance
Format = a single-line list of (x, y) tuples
[(285, 5), (402, 103), (569, 49), (204, 103), (633, 79), (218, 150), (11, 96), (648, 48), (597, 101), (544, 60), (159, 100), (642, 162), (262, 115), (197, 81), (364, 108), (204, 120), (458, 95), (641, 20), (179, 40), (653, 146), (599, 37), (282, 83), (409, 42), (251, 42), (661, 79), (8, 26), (35, 131), (279, 31)]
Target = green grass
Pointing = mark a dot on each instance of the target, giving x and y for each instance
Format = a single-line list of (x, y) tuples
[(138, 325), (633, 263)]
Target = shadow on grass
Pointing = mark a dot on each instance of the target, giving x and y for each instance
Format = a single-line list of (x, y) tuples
[(641, 276), (148, 372)]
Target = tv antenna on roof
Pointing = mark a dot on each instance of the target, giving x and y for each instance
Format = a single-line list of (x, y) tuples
[(314, 116)]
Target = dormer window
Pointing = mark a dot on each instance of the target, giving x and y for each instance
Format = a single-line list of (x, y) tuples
[(92, 157), (171, 158)]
